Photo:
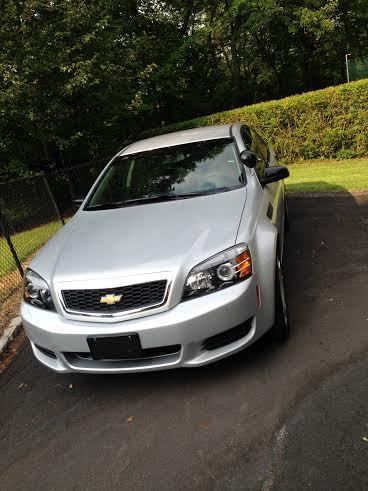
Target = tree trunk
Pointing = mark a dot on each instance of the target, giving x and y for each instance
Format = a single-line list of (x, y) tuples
[(187, 18)]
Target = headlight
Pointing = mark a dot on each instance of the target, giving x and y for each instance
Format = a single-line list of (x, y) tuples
[(220, 271), (36, 291)]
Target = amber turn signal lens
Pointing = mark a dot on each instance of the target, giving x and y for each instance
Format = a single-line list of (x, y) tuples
[(244, 264)]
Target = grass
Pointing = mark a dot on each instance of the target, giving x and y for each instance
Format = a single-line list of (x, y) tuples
[(328, 176), (25, 243)]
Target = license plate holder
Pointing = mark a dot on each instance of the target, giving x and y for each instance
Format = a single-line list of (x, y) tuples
[(115, 348)]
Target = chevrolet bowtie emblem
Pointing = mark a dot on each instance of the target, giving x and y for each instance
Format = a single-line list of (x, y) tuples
[(111, 299)]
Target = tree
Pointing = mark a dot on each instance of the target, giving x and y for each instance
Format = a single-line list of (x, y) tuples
[(78, 79)]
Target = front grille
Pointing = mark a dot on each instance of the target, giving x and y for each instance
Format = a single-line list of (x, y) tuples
[(227, 337), (133, 297)]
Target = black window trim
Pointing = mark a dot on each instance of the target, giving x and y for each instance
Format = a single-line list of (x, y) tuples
[(237, 151)]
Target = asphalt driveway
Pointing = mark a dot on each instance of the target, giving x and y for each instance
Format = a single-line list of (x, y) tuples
[(289, 416)]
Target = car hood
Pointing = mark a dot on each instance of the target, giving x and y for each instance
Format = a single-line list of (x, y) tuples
[(149, 238)]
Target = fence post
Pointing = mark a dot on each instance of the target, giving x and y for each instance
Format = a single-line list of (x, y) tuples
[(347, 66), (47, 185), (5, 231)]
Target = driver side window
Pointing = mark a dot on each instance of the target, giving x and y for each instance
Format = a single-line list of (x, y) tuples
[(255, 144)]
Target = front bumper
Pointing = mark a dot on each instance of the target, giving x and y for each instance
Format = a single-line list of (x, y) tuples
[(189, 324)]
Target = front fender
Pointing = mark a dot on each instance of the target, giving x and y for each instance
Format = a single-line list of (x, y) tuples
[(264, 249)]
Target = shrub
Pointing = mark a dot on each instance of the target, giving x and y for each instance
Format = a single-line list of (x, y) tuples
[(327, 123)]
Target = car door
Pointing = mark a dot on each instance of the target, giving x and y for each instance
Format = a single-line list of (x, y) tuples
[(272, 194)]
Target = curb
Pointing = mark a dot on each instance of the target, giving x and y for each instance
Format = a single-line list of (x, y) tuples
[(10, 332), (327, 194)]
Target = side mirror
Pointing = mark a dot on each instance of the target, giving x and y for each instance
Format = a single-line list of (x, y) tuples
[(273, 174), (249, 158), (77, 202)]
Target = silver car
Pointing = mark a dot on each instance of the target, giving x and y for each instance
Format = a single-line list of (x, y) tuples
[(174, 258)]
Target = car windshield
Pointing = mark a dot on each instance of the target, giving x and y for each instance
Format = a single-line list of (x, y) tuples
[(176, 172)]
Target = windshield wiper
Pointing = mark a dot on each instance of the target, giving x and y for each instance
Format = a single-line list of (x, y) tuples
[(108, 205), (165, 197), (154, 198), (206, 192)]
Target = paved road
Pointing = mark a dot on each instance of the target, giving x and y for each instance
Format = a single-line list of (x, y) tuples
[(287, 416)]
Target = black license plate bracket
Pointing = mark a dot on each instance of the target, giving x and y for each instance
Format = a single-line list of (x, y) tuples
[(115, 347)]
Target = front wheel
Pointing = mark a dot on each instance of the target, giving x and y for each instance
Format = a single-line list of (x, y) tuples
[(281, 328)]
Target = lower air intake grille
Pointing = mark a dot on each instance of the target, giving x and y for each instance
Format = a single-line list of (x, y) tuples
[(227, 337), (142, 355), (111, 300), (46, 351)]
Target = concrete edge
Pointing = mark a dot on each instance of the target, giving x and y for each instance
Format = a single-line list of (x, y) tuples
[(329, 194), (10, 332)]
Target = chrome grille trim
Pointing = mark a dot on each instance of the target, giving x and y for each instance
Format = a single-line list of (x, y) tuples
[(119, 313)]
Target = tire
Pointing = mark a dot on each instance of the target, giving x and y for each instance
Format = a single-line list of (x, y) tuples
[(281, 328)]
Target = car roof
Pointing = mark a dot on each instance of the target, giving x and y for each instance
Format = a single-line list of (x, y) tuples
[(179, 138)]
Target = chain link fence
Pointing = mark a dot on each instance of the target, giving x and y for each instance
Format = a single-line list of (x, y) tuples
[(32, 211), (73, 183), (356, 69)]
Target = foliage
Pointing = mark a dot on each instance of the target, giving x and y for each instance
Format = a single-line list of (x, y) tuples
[(330, 123), (78, 78)]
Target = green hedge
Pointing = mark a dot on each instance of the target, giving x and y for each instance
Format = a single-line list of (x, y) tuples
[(328, 123)]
